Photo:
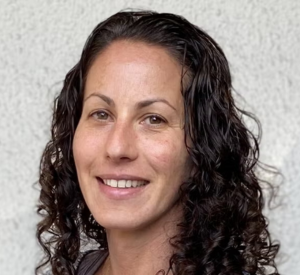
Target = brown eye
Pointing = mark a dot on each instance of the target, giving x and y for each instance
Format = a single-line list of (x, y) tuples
[(154, 119), (101, 115)]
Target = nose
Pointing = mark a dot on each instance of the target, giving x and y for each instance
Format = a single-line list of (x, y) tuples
[(120, 144)]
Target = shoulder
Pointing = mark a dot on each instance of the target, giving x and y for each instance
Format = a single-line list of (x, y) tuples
[(91, 261)]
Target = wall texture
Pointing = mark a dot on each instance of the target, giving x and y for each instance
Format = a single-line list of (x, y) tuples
[(41, 40)]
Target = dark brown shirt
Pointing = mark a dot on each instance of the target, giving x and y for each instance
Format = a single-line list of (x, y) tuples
[(91, 262)]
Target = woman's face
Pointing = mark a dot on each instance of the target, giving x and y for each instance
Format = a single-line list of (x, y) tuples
[(129, 145)]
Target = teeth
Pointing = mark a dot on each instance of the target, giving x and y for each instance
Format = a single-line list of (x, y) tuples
[(124, 183), (113, 183), (121, 183), (128, 184)]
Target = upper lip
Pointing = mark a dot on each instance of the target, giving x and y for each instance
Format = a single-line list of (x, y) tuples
[(121, 177)]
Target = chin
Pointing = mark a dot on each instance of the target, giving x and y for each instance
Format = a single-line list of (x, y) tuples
[(137, 221), (121, 223)]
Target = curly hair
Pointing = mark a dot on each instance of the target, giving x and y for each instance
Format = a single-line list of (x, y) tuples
[(223, 230)]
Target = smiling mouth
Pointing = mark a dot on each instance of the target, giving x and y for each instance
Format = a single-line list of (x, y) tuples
[(123, 183)]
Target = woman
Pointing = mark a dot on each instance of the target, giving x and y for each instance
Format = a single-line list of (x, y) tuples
[(150, 159)]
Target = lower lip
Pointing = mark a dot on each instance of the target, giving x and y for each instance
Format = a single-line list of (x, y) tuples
[(120, 193)]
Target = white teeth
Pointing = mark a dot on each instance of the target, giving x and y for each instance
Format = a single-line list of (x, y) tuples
[(124, 183), (113, 183), (135, 183), (128, 183), (121, 183)]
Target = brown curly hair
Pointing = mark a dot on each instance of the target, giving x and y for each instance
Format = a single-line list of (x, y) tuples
[(223, 230)]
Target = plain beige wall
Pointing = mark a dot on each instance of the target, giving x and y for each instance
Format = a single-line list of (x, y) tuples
[(41, 40)]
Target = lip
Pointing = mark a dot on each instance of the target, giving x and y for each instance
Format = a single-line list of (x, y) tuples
[(114, 193)]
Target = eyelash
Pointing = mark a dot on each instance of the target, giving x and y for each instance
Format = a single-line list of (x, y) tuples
[(94, 114), (161, 119)]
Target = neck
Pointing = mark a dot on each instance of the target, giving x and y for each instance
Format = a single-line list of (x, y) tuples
[(143, 251)]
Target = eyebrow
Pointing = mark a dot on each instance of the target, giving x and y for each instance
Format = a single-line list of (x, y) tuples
[(105, 98), (139, 105)]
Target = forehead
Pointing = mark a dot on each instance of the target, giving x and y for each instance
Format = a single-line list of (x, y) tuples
[(129, 66)]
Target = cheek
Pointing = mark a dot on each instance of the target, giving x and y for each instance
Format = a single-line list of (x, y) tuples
[(84, 147), (163, 155), (166, 155)]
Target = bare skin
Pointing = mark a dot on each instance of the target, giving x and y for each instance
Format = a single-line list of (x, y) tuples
[(144, 253)]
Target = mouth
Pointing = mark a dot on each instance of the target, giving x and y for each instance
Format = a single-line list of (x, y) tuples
[(123, 183)]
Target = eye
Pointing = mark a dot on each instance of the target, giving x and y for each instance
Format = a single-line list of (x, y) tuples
[(100, 115), (154, 119)]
